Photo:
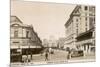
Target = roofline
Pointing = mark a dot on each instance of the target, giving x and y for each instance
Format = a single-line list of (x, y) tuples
[(17, 18), (71, 15)]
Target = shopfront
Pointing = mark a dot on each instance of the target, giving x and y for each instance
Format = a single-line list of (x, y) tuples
[(86, 42)]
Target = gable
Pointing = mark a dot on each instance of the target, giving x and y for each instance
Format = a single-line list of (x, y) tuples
[(15, 21)]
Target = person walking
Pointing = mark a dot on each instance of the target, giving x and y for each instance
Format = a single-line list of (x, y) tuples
[(69, 54), (46, 56)]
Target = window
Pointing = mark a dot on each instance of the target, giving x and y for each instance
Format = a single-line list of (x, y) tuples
[(27, 34), (91, 14), (76, 20), (15, 33), (86, 29), (86, 14), (86, 19), (84, 47), (77, 31), (94, 20), (86, 8), (86, 24), (91, 22), (15, 42), (72, 20), (92, 9), (77, 25), (77, 28)]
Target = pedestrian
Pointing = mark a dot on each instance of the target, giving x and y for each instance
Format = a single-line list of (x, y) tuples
[(69, 55), (46, 56)]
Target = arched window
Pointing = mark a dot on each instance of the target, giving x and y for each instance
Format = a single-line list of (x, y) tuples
[(15, 33)]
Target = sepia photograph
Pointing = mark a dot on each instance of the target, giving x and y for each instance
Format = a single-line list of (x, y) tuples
[(51, 33)]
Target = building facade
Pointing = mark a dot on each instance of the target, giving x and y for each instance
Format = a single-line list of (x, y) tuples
[(60, 42), (45, 43), (71, 30), (23, 40), (86, 29), (81, 26)]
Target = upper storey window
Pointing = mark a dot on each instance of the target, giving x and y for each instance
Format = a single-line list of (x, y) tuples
[(85, 8), (15, 33), (76, 20), (92, 9), (27, 34)]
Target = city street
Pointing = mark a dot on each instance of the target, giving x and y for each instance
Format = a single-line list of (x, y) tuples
[(52, 34), (61, 56), (58, 57)]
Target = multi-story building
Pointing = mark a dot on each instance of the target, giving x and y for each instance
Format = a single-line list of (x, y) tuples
[(80, 28), (23, 39), (86, 29), (60, 42), (71, 30)]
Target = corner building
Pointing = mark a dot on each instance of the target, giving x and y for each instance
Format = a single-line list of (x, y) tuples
[(80, 28), (23, 40)]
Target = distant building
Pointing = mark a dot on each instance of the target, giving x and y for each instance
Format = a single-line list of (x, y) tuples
[(23, 39), (80, 28), (45, 43), (60, 43), (52, 42)]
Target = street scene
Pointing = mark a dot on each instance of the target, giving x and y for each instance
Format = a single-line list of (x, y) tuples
[(51, 33)]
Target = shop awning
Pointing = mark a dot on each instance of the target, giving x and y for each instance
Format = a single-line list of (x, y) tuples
[(85, 35)]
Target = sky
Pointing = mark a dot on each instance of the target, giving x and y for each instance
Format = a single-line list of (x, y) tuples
[(48, 19)]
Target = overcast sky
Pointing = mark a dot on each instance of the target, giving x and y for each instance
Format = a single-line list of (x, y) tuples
[(48, 19)]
